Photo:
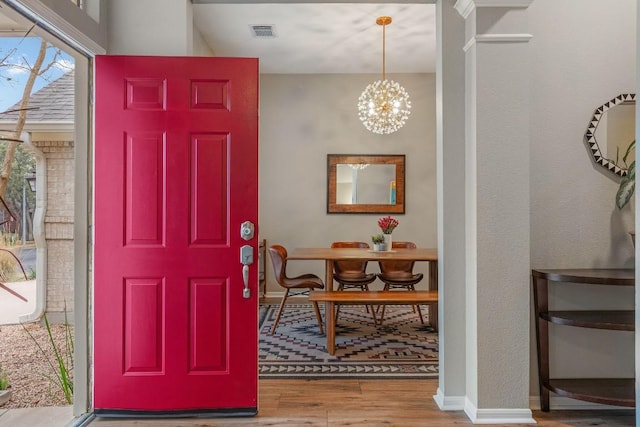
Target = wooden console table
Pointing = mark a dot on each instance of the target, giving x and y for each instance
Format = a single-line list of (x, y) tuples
[(611, 391)]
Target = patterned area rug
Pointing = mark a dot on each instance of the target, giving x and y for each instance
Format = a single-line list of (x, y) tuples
[(401, 348)]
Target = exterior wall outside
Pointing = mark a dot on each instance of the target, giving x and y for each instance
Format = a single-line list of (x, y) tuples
[(59, 220), (583, 54)]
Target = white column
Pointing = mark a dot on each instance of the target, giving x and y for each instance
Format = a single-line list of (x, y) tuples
[(497, 210), (451, 204)]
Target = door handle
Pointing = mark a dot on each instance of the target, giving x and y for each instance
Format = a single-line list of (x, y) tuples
[(246, 259), (246, 292), (246, 255)]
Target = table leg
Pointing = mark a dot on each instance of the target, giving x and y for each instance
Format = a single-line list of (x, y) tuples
[(331, 327), (328, 275), (433, 286), (541, 305), (329, 315)]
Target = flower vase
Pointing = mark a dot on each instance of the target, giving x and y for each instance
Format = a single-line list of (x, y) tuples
[(388, 241)]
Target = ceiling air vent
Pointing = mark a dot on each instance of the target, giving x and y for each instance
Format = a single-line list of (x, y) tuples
[(263, 31)]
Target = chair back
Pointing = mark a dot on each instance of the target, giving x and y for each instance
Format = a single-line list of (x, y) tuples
[(350, 267), (278, 256), (398, 267)]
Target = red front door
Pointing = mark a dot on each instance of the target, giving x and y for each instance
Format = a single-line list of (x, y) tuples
[(176, 160)]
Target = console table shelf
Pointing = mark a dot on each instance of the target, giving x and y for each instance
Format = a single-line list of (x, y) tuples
[(610, 391), (622, 320)]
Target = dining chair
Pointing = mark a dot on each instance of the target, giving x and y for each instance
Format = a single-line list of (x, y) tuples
[(352, 274), (303, 282), (399, 275)]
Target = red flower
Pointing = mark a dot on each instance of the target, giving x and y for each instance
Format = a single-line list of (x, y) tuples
[(387, 224)]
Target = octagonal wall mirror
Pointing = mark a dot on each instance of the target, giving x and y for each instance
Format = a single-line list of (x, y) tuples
[(365, 183), (610, 131)]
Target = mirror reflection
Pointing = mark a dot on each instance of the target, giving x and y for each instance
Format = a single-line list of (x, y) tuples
[(611, 131), (363, 183), (615, 131)]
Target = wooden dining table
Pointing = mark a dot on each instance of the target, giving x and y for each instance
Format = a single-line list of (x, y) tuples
[(330, 255)]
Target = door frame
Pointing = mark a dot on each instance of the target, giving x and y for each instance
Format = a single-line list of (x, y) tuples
[(92, 40)]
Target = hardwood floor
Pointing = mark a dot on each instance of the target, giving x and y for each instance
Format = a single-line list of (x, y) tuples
[(370, 403)]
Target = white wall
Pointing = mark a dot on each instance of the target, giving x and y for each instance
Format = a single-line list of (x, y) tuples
[(305, 117), (200, 47), (584, 53), (140, 27)]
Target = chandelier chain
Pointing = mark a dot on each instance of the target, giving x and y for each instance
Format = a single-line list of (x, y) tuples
[(384, 38)]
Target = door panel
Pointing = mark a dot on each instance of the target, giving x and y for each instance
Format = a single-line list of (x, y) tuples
[(208, 160), (143, 333), (175, 175), (207, 331), (144, 189)]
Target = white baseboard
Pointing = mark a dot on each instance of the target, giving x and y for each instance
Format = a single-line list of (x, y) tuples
[(565, 403), (449, 403), (498, 416)]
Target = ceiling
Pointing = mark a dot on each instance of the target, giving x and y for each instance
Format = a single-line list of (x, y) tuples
[(323, 37), (315, 37)]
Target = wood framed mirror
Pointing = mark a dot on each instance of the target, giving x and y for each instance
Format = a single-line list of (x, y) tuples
[(358, 183)]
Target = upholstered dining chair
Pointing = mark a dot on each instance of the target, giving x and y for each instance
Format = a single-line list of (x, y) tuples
[(303, 283), (352, 274), (399, 274)]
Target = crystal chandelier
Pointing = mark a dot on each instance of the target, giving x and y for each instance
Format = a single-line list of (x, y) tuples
[(384, 105)]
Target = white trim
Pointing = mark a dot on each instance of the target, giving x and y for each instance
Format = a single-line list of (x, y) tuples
[(498, 38), (470, 44), (82, 243), (503, 38), (498, 415), (38, 230), (503, 3), (273, 294), (465, 7), (449, 403), (565, 403), (66, 21), (42, 126)]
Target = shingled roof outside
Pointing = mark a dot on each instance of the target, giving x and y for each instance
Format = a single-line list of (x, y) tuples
[(53, 103)]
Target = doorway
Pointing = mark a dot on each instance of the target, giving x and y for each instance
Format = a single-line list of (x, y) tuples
[(82, 274)]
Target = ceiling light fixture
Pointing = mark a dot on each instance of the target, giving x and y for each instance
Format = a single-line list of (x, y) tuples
[(384, 105), (263, 31)]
